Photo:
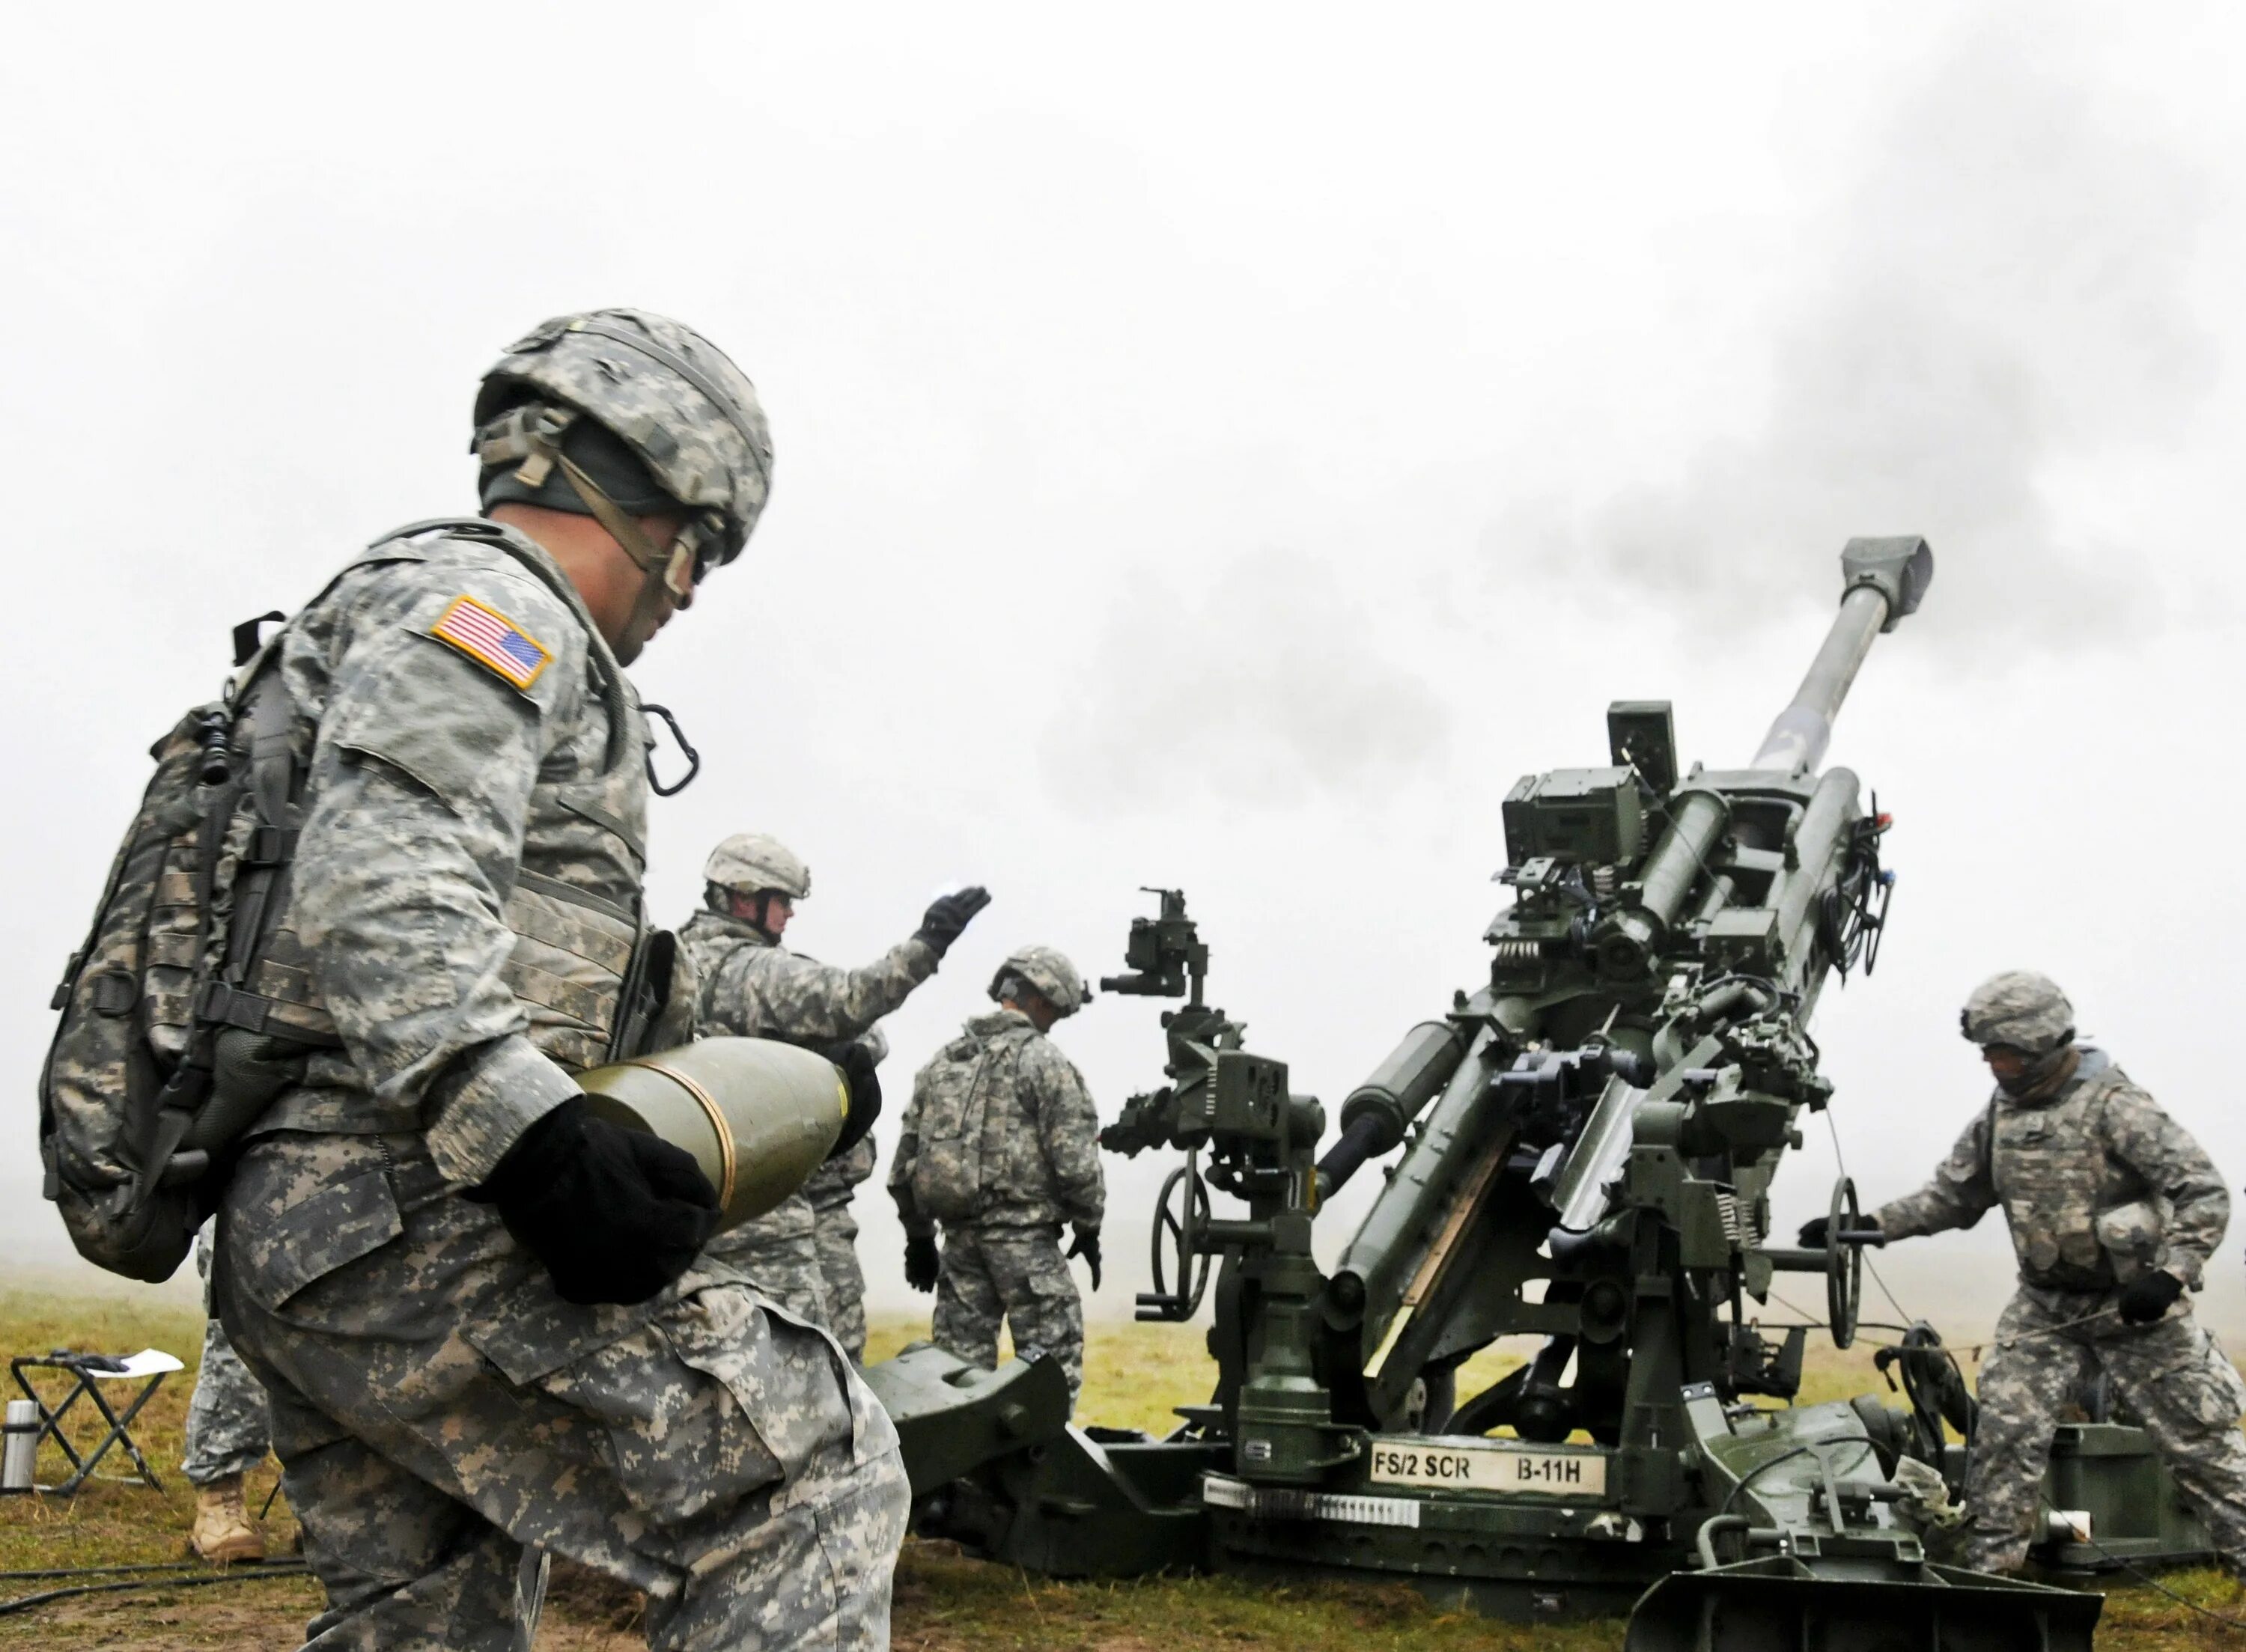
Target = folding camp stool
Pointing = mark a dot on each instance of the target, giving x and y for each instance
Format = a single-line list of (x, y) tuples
[(88, 1371)]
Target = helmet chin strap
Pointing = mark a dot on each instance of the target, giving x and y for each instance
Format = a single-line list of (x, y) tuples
[(758, 915), (654, 563), (532, 435), (626, 533)]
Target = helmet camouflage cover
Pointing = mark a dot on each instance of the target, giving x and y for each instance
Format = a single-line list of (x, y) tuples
[(674, 398), (2021, 1009), (1048, 972), (750, 862)]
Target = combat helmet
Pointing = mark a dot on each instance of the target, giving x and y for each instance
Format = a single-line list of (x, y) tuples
[(679, 405), (1045, 971), (2021, 1009), (749, 863)]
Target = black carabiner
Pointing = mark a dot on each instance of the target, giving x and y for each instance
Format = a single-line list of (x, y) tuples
[(693, 757)]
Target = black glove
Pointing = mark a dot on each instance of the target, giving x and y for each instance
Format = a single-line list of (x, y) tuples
[(1087, 1246), (948, 915), (856, 1062), (616, 1214), (1815, 1231), (2144, 1300), (923, 1260)]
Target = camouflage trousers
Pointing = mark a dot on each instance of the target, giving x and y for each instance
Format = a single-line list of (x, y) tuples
[(437, 1406), (835, 1230), (778, 1253), (1013, 1275), (842, 1281), (229, 1430), (2172, 1375)]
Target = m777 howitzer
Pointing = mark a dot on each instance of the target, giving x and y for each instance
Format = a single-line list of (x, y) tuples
[(1588, 1143)]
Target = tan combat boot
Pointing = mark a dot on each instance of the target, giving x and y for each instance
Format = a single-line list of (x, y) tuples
[(223, 1533)]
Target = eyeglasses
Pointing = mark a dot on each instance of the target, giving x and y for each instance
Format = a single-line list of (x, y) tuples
[(695, 551)]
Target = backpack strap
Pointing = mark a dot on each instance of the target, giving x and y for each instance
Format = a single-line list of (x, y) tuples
[(259, 895), (260, 889)]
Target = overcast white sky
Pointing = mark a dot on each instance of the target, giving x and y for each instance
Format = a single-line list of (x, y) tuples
[(1217, 446)]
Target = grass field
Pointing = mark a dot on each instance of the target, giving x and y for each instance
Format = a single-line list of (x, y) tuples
[(945, 1602)]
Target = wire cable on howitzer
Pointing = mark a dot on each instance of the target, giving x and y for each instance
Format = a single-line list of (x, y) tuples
[(1840, 1163), (1809, 1324)]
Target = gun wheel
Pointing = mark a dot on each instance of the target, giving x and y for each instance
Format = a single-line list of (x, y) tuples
[(1844, 1264), (1179, 1250)]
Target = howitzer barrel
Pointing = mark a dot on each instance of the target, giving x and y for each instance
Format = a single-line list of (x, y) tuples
[(1819, 835), (1884, 579)]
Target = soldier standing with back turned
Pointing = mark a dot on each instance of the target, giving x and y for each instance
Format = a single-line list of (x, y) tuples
[(2114, 1210), (479, 1310), (1001, 1145), (752, 987)]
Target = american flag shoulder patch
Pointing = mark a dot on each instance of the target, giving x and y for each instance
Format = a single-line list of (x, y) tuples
[(493, 641)]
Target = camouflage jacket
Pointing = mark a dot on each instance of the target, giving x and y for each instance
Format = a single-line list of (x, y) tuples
[(1001, 1134), (754, 989), (2097, 1182), (835, 1182), (467, 886)]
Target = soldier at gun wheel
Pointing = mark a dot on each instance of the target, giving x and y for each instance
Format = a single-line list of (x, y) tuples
[(803, 1253), (2115, 1211), (1001, 1148), (479, 1309)]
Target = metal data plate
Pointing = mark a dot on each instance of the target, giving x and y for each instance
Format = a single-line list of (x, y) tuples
[(1457, 1465)]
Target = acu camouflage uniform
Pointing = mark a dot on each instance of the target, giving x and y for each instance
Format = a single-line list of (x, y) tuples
[(834, 1231), (752, 988), (2099, 1185), (229, 1430), (1001, 1145), (466, 893)]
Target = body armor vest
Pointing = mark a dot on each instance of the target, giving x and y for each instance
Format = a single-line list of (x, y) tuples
[(2050, 1165)]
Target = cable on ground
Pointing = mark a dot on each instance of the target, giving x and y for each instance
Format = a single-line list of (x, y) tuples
[(186, 1580)]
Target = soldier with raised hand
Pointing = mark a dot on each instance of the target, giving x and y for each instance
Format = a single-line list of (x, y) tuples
[(479, 1309), (1001, 1148), (2115, 1211), (754, 987)]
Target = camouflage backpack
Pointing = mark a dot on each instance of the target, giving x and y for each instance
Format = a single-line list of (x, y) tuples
[(185, 1013), (954, 1096), (163, 1057)]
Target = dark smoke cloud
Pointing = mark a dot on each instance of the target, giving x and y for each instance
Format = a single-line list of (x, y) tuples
[(1264, 684), (2005, 295)]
